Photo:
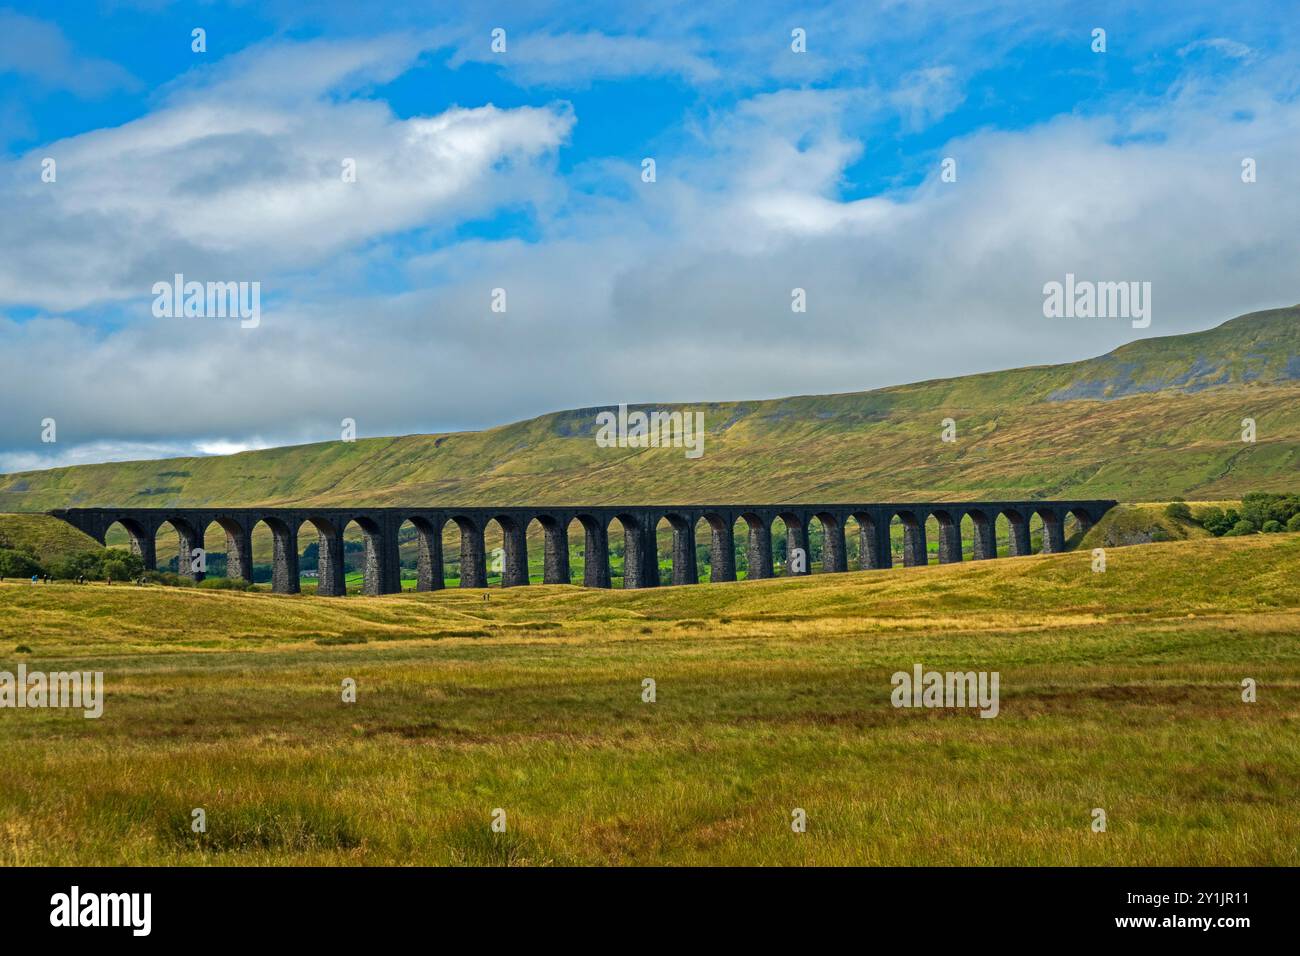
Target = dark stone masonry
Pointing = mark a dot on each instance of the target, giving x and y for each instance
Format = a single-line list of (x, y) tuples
[(379, 527)]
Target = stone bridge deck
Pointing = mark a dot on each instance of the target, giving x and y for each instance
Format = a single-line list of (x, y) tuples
[(380, 526)]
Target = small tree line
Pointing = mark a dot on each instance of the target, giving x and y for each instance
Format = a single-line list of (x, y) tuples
[(102, 565), (1261, 512)]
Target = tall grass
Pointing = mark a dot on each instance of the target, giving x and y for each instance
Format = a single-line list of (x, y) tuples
[(1119, 690)]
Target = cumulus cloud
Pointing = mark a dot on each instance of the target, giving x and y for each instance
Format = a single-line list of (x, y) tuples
[(227, 182)]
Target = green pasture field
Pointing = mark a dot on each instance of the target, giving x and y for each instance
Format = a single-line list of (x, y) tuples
[(1119, 691)]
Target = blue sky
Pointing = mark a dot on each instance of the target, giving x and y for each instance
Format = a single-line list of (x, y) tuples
[(520, 170)]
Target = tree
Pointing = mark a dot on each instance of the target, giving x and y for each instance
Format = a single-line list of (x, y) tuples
[(114, 570), (1261, 507), (1213, 520), (1294, 523), (1272, 527), (1242, 527), (18, 564), (1258, 508), (1179, 511)]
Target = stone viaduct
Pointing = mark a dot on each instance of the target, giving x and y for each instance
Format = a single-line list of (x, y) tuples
[(380, 526)]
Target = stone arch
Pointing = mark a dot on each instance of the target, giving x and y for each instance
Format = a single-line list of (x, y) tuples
[(142, 540), (659, 527), (1017, 523), (984, 543), (796, 537), (966, 528), (740, 546), (190, 538), (473, 555), (914, 551), (686, 568), (555, 546), (1082, 524), (873, 541), (380, 569), (548, 535), (722, 552), (852, 541), (331, 564), (640, 562), (834, 553), (868, 541), (949, 528), (429, 573), (239, 547), (1053, 529), (284, 553), (596, 571), (405, 551), (514, 550), (494, 550)]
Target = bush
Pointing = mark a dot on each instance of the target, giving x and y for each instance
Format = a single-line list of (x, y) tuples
[(1272, 527), (1294, 523), (97, 565), (225, 584), (1213, 520), (18, 564), (1179, 511), (169, 578), (63, 569), (114, 570), (1219, 523), (1241, 527)]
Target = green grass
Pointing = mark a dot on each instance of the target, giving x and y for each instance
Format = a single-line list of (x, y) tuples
[(49, 538), (1119, 690), (1142, 423), (1141, 524)]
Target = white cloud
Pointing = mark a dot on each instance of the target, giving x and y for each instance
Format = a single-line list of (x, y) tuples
[(672, 291), (225, 183), (220, 446), (52, 456), (926, 96), (573, 59)]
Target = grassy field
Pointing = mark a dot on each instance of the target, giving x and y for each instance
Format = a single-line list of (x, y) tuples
[(1119, 691)]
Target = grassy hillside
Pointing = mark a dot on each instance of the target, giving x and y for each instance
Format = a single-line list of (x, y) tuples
[(1157, 418), (1143, 523), (46, 537), (1118, 690)]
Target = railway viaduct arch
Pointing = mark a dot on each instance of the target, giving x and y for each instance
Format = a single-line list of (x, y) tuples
[(380, 528)]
